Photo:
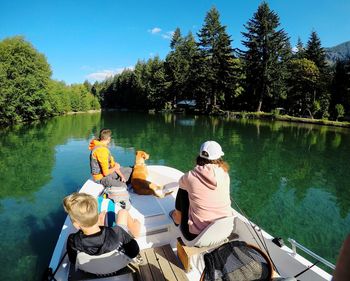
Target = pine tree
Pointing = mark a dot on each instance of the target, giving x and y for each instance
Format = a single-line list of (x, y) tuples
[(300, 50), (268, 50), (176, 39), (178, 65), (215, 63), (315, 52)]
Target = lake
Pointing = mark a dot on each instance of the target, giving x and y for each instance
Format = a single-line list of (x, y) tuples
[(291, 179)]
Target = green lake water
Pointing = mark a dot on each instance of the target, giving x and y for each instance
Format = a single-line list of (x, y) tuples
[(291, 179)]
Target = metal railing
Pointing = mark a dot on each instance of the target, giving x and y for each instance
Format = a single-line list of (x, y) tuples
[(296, 245)]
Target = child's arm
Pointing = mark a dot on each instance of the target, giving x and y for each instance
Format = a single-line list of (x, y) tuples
[(119, 173), (128, 244), (72, 253), (131, 249)]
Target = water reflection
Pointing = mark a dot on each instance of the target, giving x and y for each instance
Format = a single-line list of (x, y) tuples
[(289, 178)]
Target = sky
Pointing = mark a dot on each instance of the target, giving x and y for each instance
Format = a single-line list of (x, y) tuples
[(91, 40)]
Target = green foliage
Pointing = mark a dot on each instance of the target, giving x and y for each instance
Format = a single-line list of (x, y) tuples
[(315, 52), (217, 61), (300, 52), (268, 50), (24, 78), (266, 75), (26, 91), (340, 89), (179, 65), (301, 85), (340, 111)]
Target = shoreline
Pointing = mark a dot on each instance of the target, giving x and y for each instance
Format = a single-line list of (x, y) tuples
[(80, 112), (225, 114), (286, 118)]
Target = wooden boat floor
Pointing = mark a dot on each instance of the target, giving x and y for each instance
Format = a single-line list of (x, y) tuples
[(160, 264)]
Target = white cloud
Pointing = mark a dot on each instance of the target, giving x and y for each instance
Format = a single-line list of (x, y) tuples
[(294, 49), (107, 73), (155, 30), (168, 35)]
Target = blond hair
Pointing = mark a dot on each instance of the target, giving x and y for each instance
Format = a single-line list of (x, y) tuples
[(82, 208)]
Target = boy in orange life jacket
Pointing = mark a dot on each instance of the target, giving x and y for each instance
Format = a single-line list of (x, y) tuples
[(103, 167)]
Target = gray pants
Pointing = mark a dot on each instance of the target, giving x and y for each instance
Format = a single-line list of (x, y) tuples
[(114, 179)]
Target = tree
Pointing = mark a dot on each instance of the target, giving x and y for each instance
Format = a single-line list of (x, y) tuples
[(315, 52), (215, 63), (176, 39), (24, 79), (340, 111), (302, 81), (340, 90), (178, 67), (267, 52), (300, 50)]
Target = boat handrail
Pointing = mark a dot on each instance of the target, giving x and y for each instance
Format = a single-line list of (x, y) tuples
[(296, 245)]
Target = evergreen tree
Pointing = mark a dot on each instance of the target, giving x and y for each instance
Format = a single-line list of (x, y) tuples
[(300, 50), (178, 65), (315, 52), (176, 39), (267, 52), (215, 62)]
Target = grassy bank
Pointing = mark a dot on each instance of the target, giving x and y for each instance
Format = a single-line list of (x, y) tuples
[(271, 116)]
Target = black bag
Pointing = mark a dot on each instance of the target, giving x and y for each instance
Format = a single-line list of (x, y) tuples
[(236, 261)]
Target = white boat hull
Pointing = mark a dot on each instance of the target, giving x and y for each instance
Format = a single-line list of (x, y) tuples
[(158, 229)]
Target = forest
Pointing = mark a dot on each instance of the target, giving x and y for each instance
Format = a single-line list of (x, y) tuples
[(266, 75)]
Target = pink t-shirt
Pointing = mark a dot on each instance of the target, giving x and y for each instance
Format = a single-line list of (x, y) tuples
[(208, 190)]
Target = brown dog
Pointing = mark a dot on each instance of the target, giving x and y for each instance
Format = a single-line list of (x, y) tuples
[(139, 175)]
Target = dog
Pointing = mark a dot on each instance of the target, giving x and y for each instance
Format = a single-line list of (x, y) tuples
[(139, 176)]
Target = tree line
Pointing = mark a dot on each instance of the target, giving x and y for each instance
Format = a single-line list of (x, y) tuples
[(266, 75), (27, 91)]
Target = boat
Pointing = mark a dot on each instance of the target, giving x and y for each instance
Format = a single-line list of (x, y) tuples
[(158, 230)]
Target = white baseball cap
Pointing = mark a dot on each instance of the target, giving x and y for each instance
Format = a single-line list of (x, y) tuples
[(211, 150)]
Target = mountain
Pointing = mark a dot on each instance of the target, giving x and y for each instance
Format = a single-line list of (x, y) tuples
[(341, 51)]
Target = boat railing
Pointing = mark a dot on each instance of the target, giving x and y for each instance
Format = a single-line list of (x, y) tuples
[(296, 245)]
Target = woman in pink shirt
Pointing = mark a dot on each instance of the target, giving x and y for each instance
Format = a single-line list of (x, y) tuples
[(204, 193)]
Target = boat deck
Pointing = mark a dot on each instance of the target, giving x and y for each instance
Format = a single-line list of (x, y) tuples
[(160, 264)]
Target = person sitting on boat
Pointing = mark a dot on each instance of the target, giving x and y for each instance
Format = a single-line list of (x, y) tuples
[(92, 237), (204, 192), (104, 169)]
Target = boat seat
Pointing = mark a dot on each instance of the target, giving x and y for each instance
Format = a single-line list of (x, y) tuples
[(102, 264), (215, 233), (127, 273)]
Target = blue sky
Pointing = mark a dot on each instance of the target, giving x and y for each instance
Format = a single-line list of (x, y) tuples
[(93, 39)]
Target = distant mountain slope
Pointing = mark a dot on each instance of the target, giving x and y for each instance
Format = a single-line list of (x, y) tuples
[(341, 51)]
